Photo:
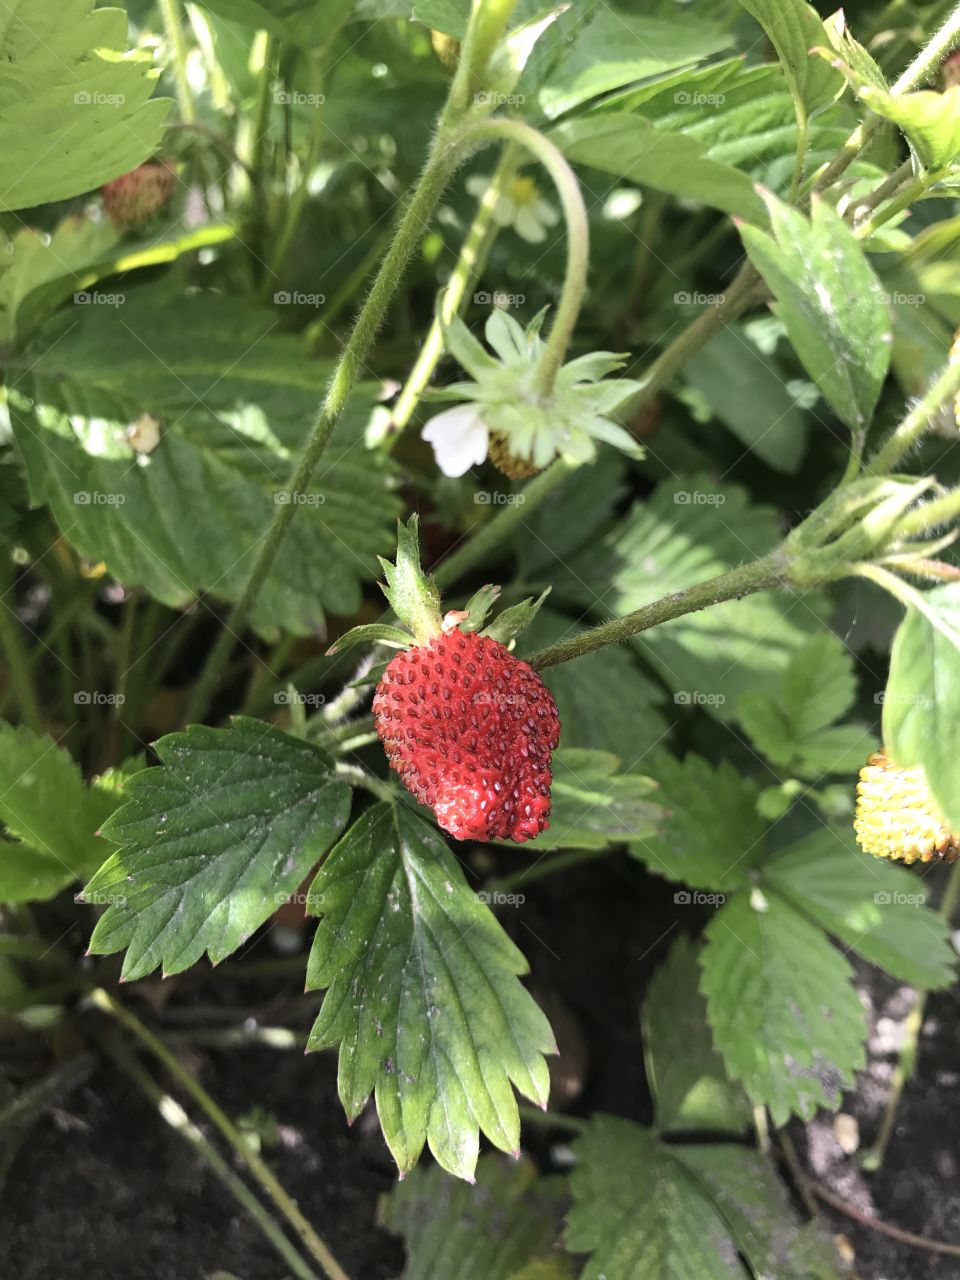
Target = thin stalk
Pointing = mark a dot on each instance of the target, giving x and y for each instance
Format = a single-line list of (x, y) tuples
[(173, 1114), (922, 69), (907, 1062), (18, 663), (577, 234), (219, 1118), (549, 867), (911, 192), (800, 161), (906, 435), (933, 514), (553, 1120), (476, 549), (464, 274), (173, 26), (889, 187), (113, 740), (439, 166), (757, 575)]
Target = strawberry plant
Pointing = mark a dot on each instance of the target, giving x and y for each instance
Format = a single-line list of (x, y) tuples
[(478, 502)]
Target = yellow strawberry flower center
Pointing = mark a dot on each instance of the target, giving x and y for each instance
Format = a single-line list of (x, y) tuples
[(897, 816)]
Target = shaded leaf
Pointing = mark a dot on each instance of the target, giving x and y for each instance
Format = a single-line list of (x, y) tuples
[(73, 101), (794, 29), (782, 1006)]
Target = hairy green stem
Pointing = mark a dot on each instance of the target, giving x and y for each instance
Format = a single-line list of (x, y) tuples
[(577, 232), (427, 192), (11, 643), (467, 269), (757, 575), (219, 1118), (932, 515), (173, 1114), (476, 548), (906, 435), (488, 24), (173, 26)]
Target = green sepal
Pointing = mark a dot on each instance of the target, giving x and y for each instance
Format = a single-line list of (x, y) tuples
[(508, 625), (478, 606), (412, 595), (371, 633)]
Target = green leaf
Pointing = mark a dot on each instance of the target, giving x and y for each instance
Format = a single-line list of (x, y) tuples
[(299, 22), (639, 1213), (487, 1232), (794, 28), (73, 101), (687, 531), (595, 804), (757, 1211), (689, 1085), (371, 633), (49, 814), (626, 145), (921, 709), (712, 835), (830, 300), (603, 699), (423, 996), (212, 843), (615, 49), (512, 622), (876, 909), (748, 394), (794, 726), (931, 121), (849, 56), (412, 594), (235, 401), (782, 1006)]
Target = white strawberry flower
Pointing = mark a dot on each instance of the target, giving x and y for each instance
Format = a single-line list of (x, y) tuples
[(503, 412), (520, 205), (459, 437)]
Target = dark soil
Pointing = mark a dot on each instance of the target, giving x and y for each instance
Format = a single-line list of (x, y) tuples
[(103, 1190)]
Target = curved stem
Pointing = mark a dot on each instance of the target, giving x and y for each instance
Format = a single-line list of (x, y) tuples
[(467, 269), (487, 27), (219, 1118), (477, 548), (906, 435), (758, 575), (578, 238), (173, 26), (442, 160)]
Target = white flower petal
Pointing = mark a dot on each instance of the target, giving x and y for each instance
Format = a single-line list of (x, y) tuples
[(459, 437), (547, 214), (477, 185), (526, 225), (505, 211)]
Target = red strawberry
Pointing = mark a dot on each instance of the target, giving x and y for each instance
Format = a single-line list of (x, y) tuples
[(132, 199), (470, 729)]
